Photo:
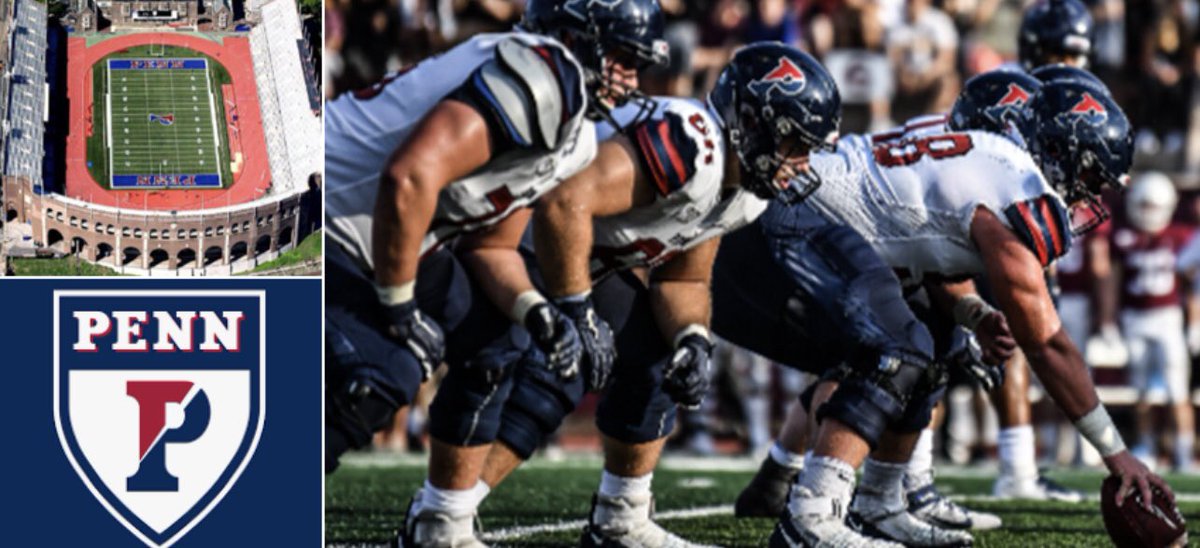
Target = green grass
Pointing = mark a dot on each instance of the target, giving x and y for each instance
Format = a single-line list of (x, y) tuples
[(142, 147), (67, 266), (309, 249), (365, 505)]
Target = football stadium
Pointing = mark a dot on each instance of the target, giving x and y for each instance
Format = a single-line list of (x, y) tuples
[(174, 145)]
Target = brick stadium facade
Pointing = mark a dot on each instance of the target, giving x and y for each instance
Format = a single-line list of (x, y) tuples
[(213, 241)]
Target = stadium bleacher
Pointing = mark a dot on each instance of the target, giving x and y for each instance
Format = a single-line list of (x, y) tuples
[(24, 122), (292, 131)]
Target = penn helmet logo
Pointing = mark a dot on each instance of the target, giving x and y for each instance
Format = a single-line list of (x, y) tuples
[(1016, 95), (786, 78), (1089, 106), (159, 399)]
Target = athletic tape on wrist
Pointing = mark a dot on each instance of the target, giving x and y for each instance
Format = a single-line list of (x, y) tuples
[(574, 298), (396, 294), (970, 310), (524, 303), (692, 329), (1097, 427)]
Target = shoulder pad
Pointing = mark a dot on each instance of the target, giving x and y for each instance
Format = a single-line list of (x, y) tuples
[(1042, 224), (532, 91), (668, 152)]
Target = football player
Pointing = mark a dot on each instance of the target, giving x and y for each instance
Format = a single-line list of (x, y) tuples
[(909, 204), (1055, 31), (1145, 252), (638, 230), (460, 142)]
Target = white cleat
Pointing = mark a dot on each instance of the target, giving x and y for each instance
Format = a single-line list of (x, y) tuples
[(625, 522), (819, 522), (931, 506), (903, 527), (433, 529), (1035, 488)]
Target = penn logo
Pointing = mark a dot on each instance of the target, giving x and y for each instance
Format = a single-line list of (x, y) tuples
[(786, 78), (1089, 106), (159, 399), (1016, 95)]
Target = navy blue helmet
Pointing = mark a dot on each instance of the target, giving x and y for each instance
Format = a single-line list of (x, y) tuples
[(992, 100), (629, 31), (1061, 28), (1082, 142), (1060, 71), (770, 96)]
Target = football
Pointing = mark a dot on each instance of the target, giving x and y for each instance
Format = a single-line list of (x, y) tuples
[(1132, 526)]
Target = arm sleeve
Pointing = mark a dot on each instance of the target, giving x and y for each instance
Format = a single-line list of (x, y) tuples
[(1042, 224)]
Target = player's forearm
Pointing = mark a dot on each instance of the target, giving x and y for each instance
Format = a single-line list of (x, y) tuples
[(562, 236), (502, 275), (1063, 373), (678, 304), (946, 294), (404, 209)]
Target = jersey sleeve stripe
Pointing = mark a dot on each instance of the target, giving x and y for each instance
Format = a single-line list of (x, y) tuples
[(1030, 227), (1048, 219), (645, 143), (677, 166)]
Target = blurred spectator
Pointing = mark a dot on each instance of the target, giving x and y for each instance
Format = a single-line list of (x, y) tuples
[(772, 20), (923, 47), (1167, 68)]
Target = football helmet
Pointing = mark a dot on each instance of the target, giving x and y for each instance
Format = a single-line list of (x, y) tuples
[(1082, 142), (775, 101), (628, 31), (1150, 202), (992, 100), (1062, 71), (1059, 28)]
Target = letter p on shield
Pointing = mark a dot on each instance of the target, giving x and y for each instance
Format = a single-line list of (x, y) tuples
[(153, 432)]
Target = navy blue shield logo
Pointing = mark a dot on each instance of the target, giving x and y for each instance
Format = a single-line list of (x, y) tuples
[(159, 399)]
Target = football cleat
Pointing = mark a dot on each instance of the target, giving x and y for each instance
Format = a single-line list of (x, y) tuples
[(819, 522), (624, 522), (903, 527), (433, 529), (931, 506), (1036, 488), (766, 495)]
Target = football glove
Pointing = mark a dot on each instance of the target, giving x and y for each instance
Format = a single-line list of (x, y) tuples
[(420, 334), (686, 377), (556, 336), (599, 346), (969, 357)]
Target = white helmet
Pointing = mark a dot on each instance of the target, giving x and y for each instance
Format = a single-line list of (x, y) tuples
[(1150, 202)]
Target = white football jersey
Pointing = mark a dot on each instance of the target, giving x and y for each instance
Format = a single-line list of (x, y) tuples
[(682, 152), (363, 129), (913, 198)]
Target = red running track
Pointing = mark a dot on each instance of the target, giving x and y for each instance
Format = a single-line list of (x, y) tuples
[(234, 53)]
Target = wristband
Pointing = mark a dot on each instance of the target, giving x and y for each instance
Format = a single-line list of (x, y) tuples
[(524, 303), (575, 298), (970, 310), (396, 294), (1097, 427), (692, 329)]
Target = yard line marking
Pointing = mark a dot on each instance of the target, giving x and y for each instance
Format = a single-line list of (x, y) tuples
[(521, 531)]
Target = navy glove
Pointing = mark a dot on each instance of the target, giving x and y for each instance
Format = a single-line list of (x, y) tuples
[(556, 336), (686, 376), (969, 356), (599, 347), (422, 335)]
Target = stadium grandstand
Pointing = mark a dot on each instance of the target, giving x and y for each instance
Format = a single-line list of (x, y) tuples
[(76, 96)]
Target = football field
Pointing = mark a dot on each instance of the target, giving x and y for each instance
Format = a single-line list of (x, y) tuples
[(158, 122), (546, 504)]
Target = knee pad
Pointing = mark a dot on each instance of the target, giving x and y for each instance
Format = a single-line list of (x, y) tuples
[(872, 400), (369, 379), (635, 409), (466, 410), (926, 396), (537, 405)]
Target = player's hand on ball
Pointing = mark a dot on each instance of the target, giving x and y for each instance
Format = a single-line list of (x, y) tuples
[(685, 379), (556, 336), (995, 338), (596, 337), (1135, 477), (422, 335)]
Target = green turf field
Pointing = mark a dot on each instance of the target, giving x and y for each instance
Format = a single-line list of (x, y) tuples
[(545, 505), (128, 109)]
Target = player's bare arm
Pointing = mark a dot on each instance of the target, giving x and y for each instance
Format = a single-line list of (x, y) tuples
[(1020, 290), (681, 299), (450, 143), (492, 258), (609, 185)]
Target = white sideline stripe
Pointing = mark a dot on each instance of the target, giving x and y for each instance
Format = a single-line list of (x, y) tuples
[(521, 531)]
